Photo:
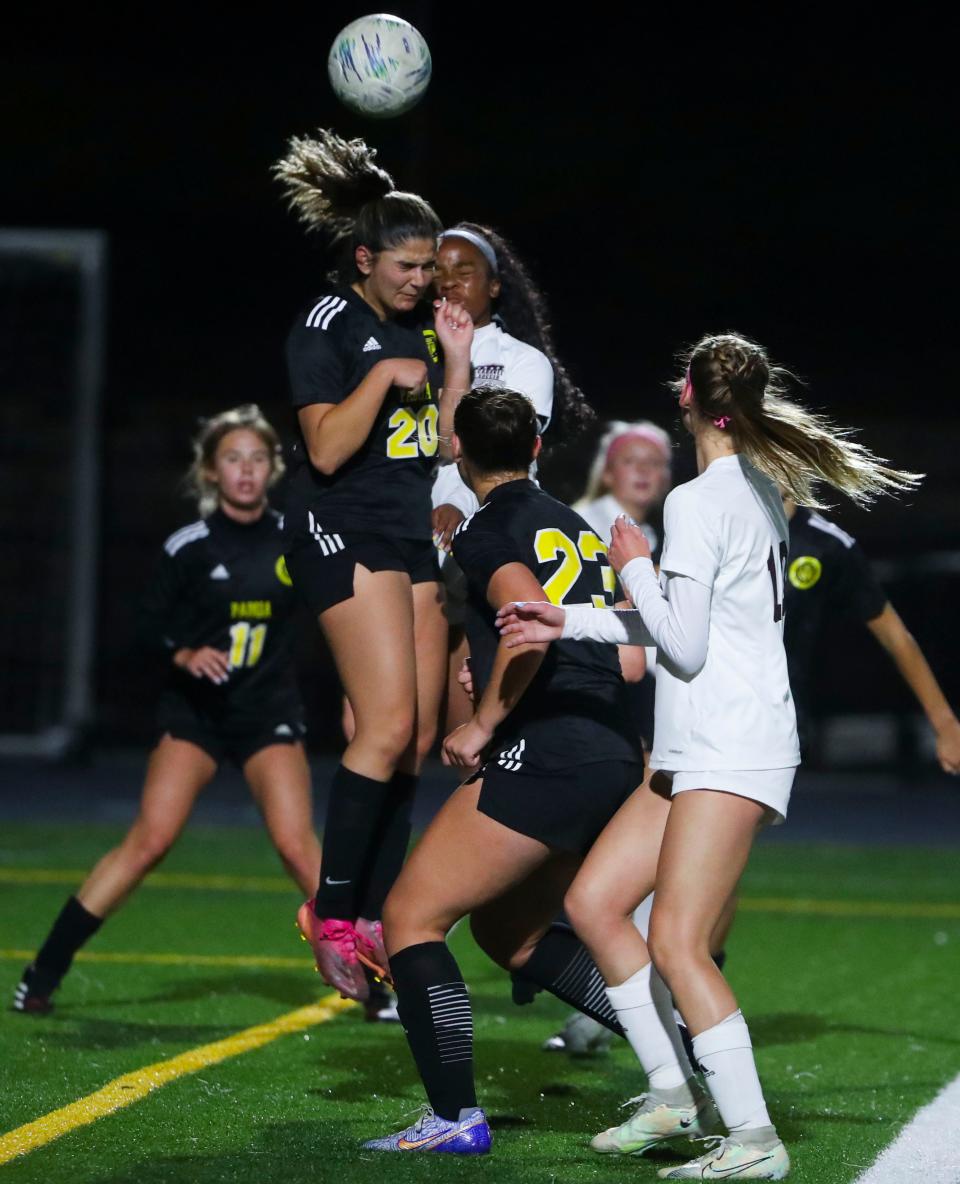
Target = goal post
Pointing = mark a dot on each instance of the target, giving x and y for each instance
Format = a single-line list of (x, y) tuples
[(52, 339)]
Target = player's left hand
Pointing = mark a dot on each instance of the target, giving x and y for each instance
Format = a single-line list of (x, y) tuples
[(948, 747), (445, 520), (627, 541), (463, 747), (454, 328), (465, 678)]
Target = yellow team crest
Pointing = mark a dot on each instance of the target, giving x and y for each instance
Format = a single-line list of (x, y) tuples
[(805, 571), (282, 574), (430, 337)]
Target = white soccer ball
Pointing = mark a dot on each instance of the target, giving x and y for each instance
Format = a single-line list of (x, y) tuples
[(379, 66)]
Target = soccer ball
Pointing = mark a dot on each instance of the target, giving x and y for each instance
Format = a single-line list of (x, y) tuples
[(379, 65)]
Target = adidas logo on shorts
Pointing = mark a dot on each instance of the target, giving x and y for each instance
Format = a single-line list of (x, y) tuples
[(219, 573), (372, 343), (512, 758), (283, 730), (330, 544)]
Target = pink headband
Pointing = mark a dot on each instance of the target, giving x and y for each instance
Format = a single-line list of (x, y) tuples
[(636, 434)]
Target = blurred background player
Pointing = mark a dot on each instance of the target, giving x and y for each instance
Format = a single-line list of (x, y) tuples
[(365, 377), (828, 574), (630, 475), (221, 607)]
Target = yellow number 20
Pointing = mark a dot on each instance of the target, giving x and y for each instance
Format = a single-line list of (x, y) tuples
[(551, 543), (413, 435)]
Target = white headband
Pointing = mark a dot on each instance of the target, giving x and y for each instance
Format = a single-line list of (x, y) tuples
[(478, 241)]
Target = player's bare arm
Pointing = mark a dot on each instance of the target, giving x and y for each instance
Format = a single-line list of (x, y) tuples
[(909, 659), (333, 432), (513, 670), (454, 329)]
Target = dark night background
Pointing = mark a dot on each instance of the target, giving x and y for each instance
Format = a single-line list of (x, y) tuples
[(789, 176)]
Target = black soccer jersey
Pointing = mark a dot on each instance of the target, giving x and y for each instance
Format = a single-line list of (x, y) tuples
[(384, 488), (224, 584), (826, 573), (575, 710)]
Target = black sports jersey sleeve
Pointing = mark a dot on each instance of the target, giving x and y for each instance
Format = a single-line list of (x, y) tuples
[(858, 591), (484, 552), (317, 368), (158, 629)]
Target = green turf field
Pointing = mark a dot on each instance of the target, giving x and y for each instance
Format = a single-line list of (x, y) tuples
[(846, 962)]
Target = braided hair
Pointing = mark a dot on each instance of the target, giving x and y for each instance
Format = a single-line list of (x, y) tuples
[(733, 379), (337, 189), (522, 309)]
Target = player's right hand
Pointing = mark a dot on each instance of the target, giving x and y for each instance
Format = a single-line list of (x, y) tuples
[(627, 541), (529, 622), (948, 748), (445, 519), (205, 662), (410, 374)]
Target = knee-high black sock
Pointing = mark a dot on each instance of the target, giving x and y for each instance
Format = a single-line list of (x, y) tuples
[(354, 815), (435, 1012), (390, 845), (561, 965), (74, 926)]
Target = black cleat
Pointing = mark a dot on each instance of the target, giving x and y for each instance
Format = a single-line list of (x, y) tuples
[(33, 992)]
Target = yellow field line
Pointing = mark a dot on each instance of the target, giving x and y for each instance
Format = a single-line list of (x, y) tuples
[(39, 875), (754, 904), (173, 959), (131, 1087)]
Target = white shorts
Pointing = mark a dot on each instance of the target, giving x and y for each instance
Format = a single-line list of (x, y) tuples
[(769, 787)]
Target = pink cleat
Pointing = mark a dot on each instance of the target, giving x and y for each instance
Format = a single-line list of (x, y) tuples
[(334, 944), (370, 949)]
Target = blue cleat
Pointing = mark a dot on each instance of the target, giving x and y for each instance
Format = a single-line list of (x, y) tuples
[(469, 1135)]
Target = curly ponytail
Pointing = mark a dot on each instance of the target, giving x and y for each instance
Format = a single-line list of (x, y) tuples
[(335, 186)]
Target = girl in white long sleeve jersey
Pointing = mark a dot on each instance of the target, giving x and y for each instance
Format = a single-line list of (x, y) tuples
[(725, 746)]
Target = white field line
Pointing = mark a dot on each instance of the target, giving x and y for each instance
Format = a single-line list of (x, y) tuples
[(928, 1147)]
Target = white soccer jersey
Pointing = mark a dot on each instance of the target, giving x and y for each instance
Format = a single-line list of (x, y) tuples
[(726, 530), (497, 359)]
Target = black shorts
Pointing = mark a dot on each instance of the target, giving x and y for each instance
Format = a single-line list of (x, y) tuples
[(233, 739), (564, 808), (321, 562)]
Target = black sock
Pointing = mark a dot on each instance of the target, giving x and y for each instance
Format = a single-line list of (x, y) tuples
[(561, 965), (435, 1012), (73, 927), (390, 845), (353, 816)]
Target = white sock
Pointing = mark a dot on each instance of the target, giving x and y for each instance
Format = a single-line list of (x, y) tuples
[(645, 1010), (725, 1056)]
